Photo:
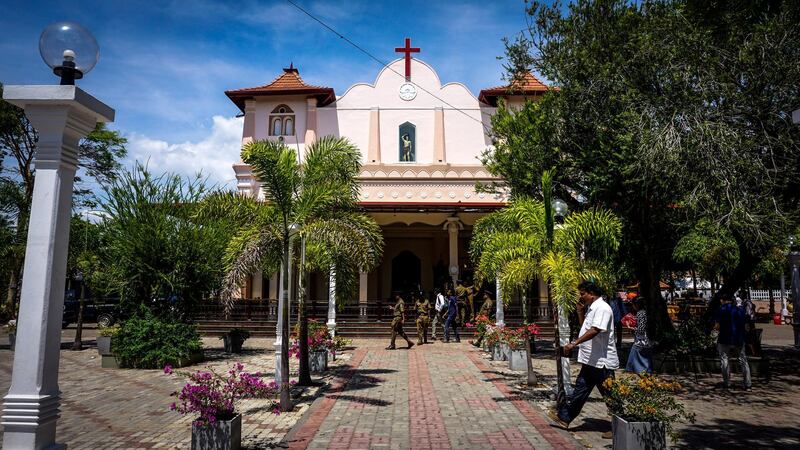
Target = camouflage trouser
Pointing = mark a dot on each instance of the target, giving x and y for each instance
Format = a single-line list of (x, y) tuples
[(422, 329), (397, 328)]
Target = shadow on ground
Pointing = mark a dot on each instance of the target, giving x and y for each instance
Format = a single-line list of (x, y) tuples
[(736, 434)]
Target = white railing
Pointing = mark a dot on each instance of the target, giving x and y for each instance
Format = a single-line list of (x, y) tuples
[(763, 294)]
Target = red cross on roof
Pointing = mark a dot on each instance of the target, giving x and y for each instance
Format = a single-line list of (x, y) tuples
[(408, 50)]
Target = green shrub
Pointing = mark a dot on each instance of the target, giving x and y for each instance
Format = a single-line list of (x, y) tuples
[(147, 342), (108, 331)]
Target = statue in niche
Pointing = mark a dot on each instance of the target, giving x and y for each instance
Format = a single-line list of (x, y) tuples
[(407, 140), (408, 149)]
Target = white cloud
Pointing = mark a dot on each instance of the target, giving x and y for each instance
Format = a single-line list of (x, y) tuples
[(213, 155)]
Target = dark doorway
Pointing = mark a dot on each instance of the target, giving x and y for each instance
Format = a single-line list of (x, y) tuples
[(406, 273)]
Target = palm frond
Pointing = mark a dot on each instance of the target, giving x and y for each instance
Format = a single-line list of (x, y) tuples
[(561, 271), (600, 226), (276, 167), (248, 251)]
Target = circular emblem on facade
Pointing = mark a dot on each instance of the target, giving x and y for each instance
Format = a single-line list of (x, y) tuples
[(380, 194), (467, 195), (366, 194), (409, 194), (481, 195), (438, 195), (452, 195), (407, 91), (424, 195), (395, 194)]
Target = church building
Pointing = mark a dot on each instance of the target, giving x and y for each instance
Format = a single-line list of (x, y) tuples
[(421, 142)]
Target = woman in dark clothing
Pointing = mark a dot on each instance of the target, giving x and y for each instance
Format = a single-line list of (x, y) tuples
[(452, 314)]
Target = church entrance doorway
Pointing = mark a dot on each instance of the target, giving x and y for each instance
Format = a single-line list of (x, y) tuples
[(406, 273)]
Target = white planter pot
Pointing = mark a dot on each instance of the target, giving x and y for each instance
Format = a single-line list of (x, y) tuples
[(517, 361), (104, 345), (497, 353), (318, 361), (222, 435), (638, 435)]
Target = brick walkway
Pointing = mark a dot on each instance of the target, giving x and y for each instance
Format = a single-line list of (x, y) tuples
[(438, 396)]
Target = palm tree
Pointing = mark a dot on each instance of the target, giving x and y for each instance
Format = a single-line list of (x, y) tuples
[(521, 243), (315, 200)]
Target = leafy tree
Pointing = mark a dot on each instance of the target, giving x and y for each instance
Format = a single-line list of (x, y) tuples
[(314, 201), (157, 252), (669, 112), (710, 249), (99, 159), (521, 243)]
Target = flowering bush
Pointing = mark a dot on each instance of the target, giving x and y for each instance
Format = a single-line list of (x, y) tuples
[(340, 343), (646, 398), (515, 337), (493, 335), (480, 323), (319, 339), (213, 395)]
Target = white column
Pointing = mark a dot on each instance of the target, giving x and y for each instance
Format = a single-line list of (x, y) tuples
[(273, 286), (62, 115), (563, 339), (452, 226), (362, 294), (332, 303), (499, 315)]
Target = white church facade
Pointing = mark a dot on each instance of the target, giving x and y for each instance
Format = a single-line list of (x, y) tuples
[(421, 143)]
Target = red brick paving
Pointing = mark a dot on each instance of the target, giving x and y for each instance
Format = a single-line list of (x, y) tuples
[(426, 424)]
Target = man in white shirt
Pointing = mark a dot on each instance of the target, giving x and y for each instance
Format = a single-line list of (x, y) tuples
[(441, 302), (597, 353)]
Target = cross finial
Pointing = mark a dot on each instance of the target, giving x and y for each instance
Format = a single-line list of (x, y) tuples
[(408, 50)]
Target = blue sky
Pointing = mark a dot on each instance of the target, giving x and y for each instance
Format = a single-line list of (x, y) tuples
[(164, 66)]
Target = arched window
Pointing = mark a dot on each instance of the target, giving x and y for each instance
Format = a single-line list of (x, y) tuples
[(276, 126), (282, 121)]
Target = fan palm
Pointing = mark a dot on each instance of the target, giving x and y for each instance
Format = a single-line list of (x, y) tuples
[(520, 243), (315, 200)]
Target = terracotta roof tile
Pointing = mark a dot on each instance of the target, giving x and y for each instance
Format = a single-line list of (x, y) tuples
[(288, 83), (527, 85)]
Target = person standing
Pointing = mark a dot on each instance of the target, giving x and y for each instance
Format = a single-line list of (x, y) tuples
[(452, 317), (441, 303), (397, 322), (423, 308), (597, 354), (641, 356), (730, 321), (486, 310)]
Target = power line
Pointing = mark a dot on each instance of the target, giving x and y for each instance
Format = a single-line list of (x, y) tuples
[(382, 63)]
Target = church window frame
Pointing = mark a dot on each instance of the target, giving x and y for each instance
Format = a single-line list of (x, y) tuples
[(282, 121)]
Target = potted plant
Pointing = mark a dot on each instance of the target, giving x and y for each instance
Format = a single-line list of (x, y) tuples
[(644, 409), (104, 337), (339, 344), (515, 338), (213, 397), (493, 338), (320, 345), (12, 334), (234, 339)]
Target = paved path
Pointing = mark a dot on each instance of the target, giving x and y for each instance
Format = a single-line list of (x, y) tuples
[(436, 396)]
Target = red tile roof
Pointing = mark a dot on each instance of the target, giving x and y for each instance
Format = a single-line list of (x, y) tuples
[(288, 83), (528, 85)]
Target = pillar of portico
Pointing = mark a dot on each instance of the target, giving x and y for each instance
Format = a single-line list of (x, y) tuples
[(332, 302), (452, 225), (62, 115), (257, 290)]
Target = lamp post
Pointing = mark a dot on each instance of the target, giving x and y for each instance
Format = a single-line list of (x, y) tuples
[(62, 115), (559, 210)]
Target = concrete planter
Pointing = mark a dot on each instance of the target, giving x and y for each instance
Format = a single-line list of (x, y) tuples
[(638, 435), (318, 361), (506, 351), (232, 344), (104, 345), (222, 435), (517, 360), (497, 353)]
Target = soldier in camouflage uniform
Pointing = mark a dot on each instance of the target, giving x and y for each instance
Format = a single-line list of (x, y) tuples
[(461, 293), (397, 322), (423, 307)]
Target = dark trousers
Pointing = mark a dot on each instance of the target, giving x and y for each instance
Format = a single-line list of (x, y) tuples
[(588, 378), (451, 322)]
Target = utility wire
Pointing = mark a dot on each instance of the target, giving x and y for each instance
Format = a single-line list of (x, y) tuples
[(383, 63)]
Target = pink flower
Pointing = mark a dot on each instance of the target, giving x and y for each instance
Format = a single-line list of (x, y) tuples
[(276, 411), (168, 369)]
